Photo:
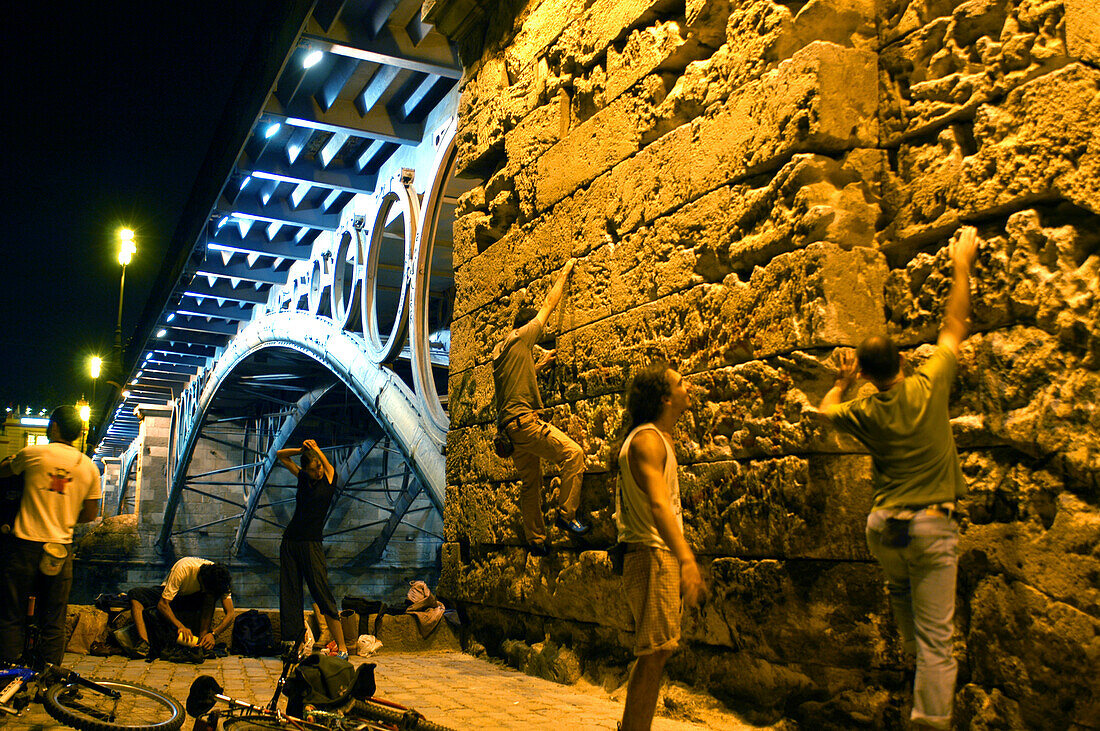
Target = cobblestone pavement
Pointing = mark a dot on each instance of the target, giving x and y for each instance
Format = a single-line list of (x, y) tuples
[(451, 688)]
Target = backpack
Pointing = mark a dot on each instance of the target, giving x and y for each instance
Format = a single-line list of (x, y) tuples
[(326, 682), (252, 634)]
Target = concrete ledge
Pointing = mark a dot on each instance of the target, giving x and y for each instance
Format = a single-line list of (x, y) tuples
[(399, 633)]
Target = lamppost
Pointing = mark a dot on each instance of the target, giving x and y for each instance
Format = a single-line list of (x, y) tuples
[(126, 250), (95, 365), (85, 413)]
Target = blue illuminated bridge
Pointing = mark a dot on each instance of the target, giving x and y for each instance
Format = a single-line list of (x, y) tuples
[(307, 294)]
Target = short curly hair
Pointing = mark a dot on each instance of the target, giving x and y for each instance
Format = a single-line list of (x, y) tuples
[(214, 579), (646, 392)]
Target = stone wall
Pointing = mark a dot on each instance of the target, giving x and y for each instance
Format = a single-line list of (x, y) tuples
[(749, 185)]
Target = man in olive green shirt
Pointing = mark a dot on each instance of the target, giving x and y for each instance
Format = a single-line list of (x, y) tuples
[(916, 476), (518, 403)]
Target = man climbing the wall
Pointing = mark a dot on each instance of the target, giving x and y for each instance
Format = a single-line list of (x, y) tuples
[(911, 530), (518, 403)]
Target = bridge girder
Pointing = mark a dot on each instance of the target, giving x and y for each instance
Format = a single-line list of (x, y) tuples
[(392, 403)]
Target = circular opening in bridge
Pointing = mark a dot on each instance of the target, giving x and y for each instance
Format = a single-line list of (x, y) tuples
[(433, 287), (389, 249), (318, 286), (345, 280)]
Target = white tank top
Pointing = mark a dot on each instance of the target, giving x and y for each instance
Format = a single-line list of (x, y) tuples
[(633, 515)]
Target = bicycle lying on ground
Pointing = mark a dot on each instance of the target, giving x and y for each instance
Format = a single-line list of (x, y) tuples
[(83, 703), (352, 707)]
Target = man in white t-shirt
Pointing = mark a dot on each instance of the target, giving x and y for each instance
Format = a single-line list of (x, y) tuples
[(186, 602), (61, 489)]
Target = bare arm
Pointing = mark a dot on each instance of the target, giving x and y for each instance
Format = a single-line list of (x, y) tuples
[(554, 296), (165, 608), (646, 458), (330, 471), (89, 511), (284, 456), (845, 377), (227, 605), (546, 358), (964, 249)]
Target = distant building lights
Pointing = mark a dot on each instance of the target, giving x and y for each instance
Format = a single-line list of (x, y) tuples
[(33, 421), (272, 130), (224, 220), (312, 59), (126, 394), (269, 133), (161, 333)]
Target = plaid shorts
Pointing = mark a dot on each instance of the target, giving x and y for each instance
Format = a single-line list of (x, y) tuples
[(651, 581)]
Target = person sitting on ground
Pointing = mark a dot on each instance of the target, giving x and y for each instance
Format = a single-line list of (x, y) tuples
[(186, 602), (518, 403), (301, 555)]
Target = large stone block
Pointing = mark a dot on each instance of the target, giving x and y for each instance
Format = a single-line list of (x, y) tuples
[(975, 55), (1083, 30), (661, 47), (610, 136), (540, 24), (771, 609), (1040, 652), (1040, 143), (791, 506), (790, 109), (604, 22)]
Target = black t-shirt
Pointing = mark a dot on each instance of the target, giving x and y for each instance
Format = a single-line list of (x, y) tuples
[(310, 508)]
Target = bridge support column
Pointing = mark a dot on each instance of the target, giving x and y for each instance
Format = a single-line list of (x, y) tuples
[(151, 472)]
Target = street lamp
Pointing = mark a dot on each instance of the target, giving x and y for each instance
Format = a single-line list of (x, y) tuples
[(126, 250), (95, 366), (85, 412)]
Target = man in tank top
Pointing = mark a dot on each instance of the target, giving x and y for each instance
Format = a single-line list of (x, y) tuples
[(659, 569), (916, 476)]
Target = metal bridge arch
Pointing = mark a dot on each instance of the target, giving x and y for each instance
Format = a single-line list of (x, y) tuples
[(392, 403)]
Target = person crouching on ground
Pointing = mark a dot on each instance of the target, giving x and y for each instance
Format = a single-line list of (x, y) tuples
[(301, 555), (659, 569), (186, 602), (917, 478)]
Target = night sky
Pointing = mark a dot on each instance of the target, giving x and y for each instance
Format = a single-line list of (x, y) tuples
[(111, 109)]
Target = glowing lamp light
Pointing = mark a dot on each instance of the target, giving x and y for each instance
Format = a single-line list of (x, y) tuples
[(126, 246), (170, 317), (312, 59), (161, 333), (85, 412), (125, 394), (95, 365), (272, 130)]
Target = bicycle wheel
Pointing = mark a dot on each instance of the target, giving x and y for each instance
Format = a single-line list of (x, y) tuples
[(269, 724), (407, 719), (138, 708)]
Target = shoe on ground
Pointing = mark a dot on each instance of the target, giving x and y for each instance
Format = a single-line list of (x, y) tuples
[(573, 527), (141, 649), (537, 548)]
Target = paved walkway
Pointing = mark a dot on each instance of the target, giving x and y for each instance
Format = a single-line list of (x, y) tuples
[(450, 688)]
